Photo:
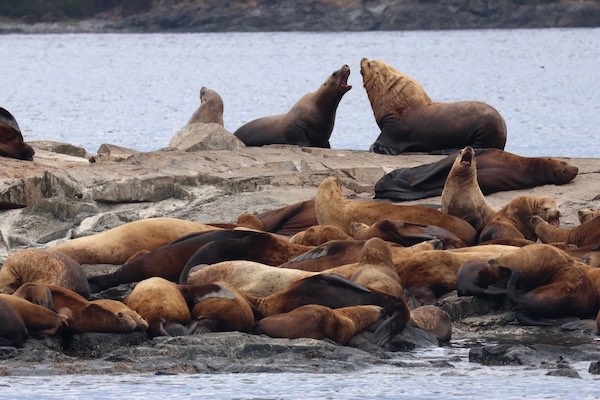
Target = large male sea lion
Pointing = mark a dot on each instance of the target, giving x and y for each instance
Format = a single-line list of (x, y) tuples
[(210, 110), (497, 170), (462, 195), (334, 209), (513, 220), (116, 245), (11, 139), (410, 121), (42, 266), (586, 234), (308, 123)]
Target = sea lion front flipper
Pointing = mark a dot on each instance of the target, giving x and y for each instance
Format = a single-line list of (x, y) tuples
[(338, 280), (389, 328)]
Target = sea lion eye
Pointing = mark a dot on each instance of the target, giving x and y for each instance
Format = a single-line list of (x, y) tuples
[(546, 209), (120, 314), (334, 74)]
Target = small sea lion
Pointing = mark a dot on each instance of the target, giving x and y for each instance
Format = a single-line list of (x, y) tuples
[(410, 121), (587, 214), (11, 139), (42, 266), (319, 234), (462, 195), (332, 208), (318, 322), (434, 320), (513, 220), (210, 109), (586, 234), (13, 331), (308, 123)]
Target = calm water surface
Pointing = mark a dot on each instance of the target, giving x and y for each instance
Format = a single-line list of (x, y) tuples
[(137, 90)]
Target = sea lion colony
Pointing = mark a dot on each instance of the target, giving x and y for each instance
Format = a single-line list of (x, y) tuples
[(330, 267)]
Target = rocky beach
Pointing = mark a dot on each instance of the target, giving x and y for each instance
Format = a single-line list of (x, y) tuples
[(63, 195)]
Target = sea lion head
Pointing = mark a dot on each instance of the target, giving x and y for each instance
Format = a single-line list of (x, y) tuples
[(587, 214), (389, 90), (549, 210), (464, 164), (561, 171), (11, 139), (338, 80)]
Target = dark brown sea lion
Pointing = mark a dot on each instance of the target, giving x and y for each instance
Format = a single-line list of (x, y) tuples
[(546, 282), (308, 123), (116, 245), (13, 331), (513, 220), (497, 170), (410, 121), (586, 234), (405, 233), (318, 322), (333, 209), (11, 139), (210, 110), (319, 234), (289, 220), (42, 266), (587, 214), (462, 196), (37, 319), (87, 316), (433, 319)]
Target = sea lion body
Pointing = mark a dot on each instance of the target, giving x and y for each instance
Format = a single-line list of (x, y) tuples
[(308, 123), (411, 122), (11, 139), (42, 266), (210, 110), (116, 245)]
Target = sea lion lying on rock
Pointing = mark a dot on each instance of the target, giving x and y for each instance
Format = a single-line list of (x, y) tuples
[(11, 139), (410, 121)]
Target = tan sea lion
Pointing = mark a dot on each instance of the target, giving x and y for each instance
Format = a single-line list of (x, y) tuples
[(462, 196), (37, 319), (120, 309), (587, 214), (332, 208), (405, 233), (116, 245), (210, 110), (586, 234), (11, 139), (410, 121), (308, 123), (42, 266), (546, 282), (433, 319), (318, 322), (319, 234), (13, 331), (513, 220)]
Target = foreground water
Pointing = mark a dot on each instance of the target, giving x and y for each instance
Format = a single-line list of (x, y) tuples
[(138, 90)]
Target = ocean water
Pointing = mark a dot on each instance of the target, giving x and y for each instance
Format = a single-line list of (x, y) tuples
[(138, 90)]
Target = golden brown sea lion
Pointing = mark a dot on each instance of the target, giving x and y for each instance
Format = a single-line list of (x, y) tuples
[(13, 331), (546, 282), (410, 121), (308, 123), (433, 319), (42, 266), (210, 110), (587, 214), (37, 319), (318, 322), (586, 234), (319, 234), (513, 220), (116, 245), (333, 209), (121, 310), (462, 196), (11, 139)]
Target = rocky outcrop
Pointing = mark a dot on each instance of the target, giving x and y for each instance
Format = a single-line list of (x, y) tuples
[(325, 15), (201, 136)]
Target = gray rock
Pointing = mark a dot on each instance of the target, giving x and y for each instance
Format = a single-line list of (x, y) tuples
[(94, 345), (202, 136), (58, 147), (566, 372), (594, 368), (111, 152), (467, 306)]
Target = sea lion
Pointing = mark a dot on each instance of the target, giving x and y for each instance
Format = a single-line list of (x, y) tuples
[(586, 234), (120, 309), (37, 319), (546, 282), (86, 316), (291, 219), (410, 121), (513, 220), (332, 208), (116, 245), (11, 139), (318, 322), (587, 214), (42, 266), (210, 110), (319, 234), (405, 233), (13, 331), (433, 319), (497, 170), (308, 123), (462, 196)]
